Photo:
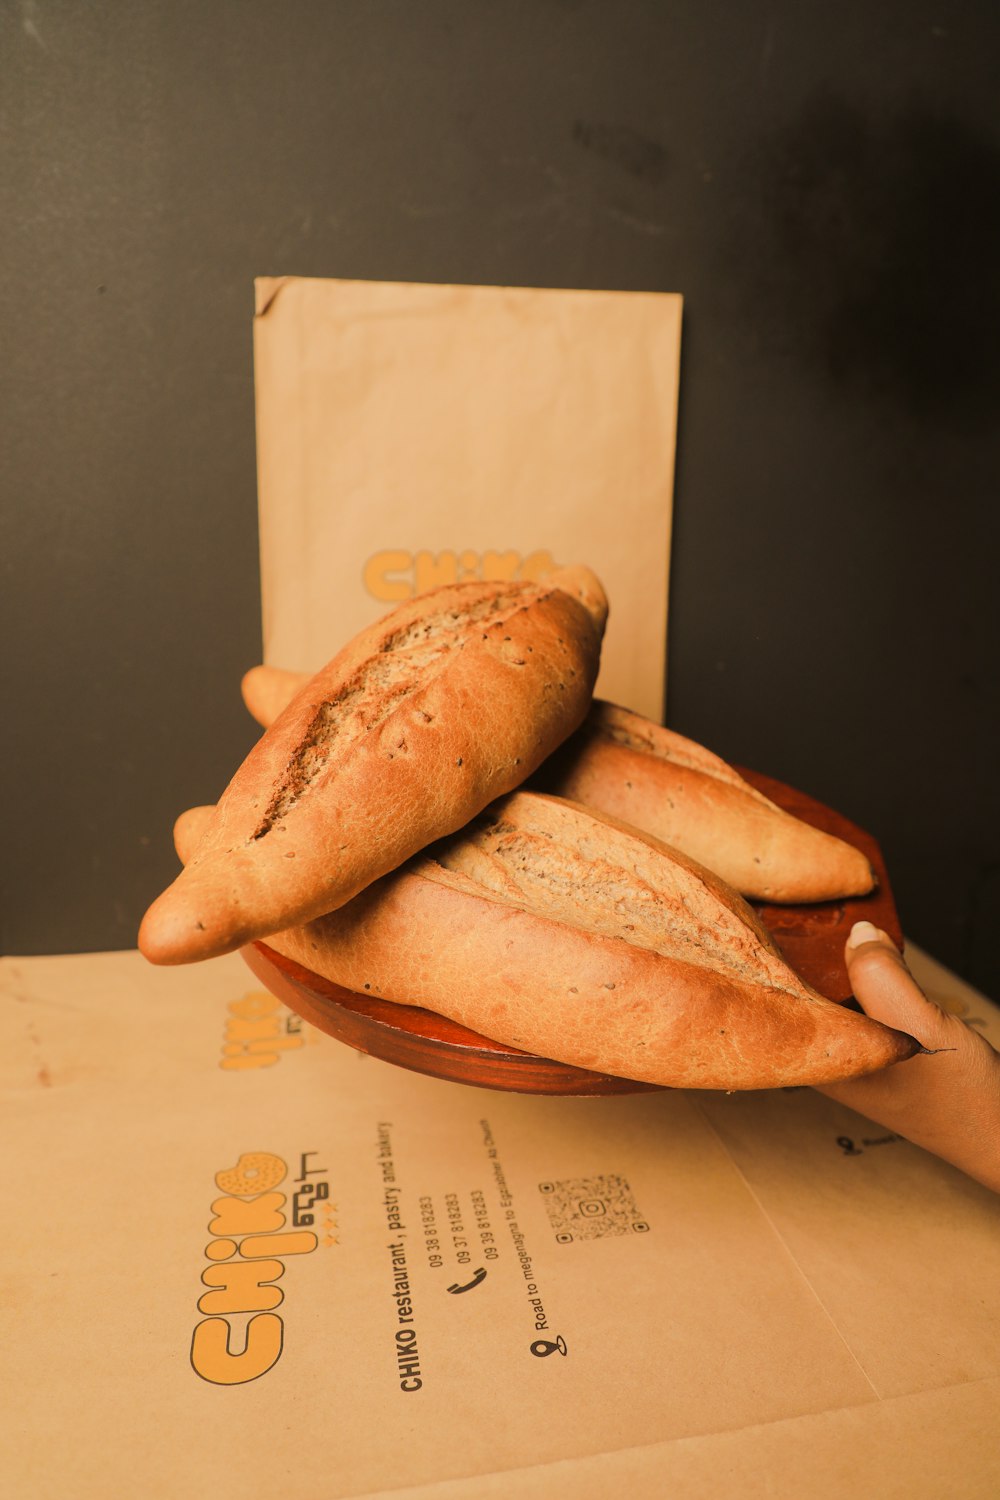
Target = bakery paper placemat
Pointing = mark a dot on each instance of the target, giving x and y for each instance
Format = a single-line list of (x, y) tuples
[(412, 435), (244, 1259)]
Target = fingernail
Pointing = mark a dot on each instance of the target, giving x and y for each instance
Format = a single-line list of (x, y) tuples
[(862, 932)]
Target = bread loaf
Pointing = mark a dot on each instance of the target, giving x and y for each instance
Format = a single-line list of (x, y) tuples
[(623, 764), (548, 927), (268, 690), (632, 769), (452, 699)]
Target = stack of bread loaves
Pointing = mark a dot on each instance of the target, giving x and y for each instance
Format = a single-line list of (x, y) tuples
[(374, 835)]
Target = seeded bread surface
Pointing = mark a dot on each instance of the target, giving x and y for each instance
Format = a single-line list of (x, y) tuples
[(451, 700), (548, 927)]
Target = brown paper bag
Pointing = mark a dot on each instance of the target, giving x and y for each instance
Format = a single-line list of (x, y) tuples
[(412, 435)]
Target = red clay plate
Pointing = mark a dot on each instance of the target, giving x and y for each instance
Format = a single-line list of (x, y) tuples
[(810, 937)]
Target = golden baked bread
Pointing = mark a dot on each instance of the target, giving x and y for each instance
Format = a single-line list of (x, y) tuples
[(661, 783), (449, 701), (268, 690), (623, 764), (548, 927)]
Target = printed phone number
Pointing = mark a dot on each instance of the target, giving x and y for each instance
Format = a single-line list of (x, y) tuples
[(458, 1229)]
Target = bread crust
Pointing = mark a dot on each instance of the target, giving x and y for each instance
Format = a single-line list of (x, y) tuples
[(654, 779), (553, 929), (267, 690), (446, 703), (625, 765)]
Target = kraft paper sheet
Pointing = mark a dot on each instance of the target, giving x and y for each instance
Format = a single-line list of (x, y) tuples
[(410, 435), (679, 1288)]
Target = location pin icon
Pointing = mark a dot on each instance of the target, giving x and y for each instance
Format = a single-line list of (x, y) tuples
[(542, 1347)]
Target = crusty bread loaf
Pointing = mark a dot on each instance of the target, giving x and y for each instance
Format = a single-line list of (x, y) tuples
[(548, 927), (625, 765), (452, 699)]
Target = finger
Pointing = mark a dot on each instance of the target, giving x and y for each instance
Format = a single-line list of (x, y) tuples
[(885, 988)]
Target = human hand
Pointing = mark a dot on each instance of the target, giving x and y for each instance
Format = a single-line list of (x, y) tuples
[(947, 1101)]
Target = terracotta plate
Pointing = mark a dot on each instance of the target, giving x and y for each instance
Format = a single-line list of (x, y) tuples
[(810, 937)]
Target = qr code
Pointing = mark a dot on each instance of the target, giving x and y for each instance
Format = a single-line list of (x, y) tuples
[(591, 1208)]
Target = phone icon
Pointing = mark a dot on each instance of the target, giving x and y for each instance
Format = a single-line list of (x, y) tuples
[(479, 1276)]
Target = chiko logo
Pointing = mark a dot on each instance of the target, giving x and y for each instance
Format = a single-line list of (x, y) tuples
[(258, 1030), (247, 1253), (395, 574)]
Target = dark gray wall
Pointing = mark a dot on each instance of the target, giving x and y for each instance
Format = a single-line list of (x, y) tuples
[(821, 182)]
